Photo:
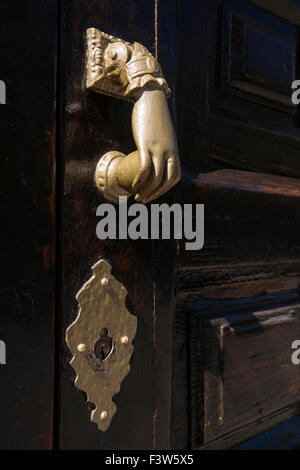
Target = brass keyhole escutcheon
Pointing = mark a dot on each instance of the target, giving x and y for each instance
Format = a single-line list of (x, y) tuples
[(104, 346), (100, 340)]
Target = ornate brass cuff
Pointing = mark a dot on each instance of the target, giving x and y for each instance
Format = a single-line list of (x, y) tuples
[(142, 70)]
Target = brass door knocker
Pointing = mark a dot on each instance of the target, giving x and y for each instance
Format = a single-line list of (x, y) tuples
[(129, 71)]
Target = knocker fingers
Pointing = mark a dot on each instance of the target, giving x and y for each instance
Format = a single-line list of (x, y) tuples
[(155, 179), (171, 176), (144, 172)]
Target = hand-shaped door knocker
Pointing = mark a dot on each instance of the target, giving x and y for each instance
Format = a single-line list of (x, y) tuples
[(129, 71)]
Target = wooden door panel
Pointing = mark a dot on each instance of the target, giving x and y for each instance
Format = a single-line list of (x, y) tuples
[(250, 263), (244, 367), (237, 302), (246, 278), (237, 64), (249, 218)]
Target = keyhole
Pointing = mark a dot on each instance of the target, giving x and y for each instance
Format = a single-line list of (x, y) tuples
[(103, 346)]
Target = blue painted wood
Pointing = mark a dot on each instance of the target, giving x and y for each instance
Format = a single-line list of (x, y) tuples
[(285, 436)]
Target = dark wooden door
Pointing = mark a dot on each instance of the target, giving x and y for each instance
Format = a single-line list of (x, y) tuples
[(212, 361), (28, 39)]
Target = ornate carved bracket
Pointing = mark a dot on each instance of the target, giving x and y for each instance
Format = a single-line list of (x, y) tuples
[(120, 69)]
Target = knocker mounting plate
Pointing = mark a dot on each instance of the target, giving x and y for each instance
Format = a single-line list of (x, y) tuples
[(118, 68), (106, 55), (100, 340)]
